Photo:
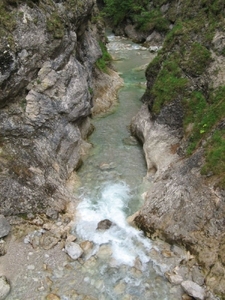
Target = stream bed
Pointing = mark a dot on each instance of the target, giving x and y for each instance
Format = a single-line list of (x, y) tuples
[(122, 261), (118, 262)]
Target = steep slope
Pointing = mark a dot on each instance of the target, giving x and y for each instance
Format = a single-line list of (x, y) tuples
[(48, 52), (181, 125)]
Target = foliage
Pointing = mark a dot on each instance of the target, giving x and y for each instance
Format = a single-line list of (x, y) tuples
[(104, 60), (137, 11), (169, 84), (55, 25), (215, 157), (149, 20), (197, 59)]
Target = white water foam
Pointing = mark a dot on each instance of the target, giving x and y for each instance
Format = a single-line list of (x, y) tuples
[(127, 243)]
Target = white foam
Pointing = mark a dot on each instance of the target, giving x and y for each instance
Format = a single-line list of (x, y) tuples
[(126, 242)]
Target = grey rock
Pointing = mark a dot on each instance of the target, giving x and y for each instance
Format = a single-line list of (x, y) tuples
[(174, 278), (49, 76), (4, 226), (193, 289), (73, 250), (4, 287), (104, 224)]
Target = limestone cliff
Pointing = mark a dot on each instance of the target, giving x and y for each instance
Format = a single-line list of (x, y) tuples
[(48, 51), (181, 125)]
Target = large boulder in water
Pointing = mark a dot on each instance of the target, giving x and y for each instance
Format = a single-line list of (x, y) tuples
[(104, 224)]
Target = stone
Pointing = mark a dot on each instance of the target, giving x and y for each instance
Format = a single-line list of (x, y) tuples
[(197, 276), (154, 49), (193, 289), (52, 297), (174, 278), (86, 245), (73, 250), (4, 287), (2, 248), (104, 224), (4, 226)]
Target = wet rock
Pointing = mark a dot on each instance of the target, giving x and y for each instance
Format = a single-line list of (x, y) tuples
[(104, 224), (154, 49), (4, 226), (106, 166), (193, 289), (104, 252), (86, 245), (73, 250), (4, 287), (130, 141)]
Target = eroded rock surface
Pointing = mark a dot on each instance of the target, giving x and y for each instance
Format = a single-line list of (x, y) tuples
[(46, 84)]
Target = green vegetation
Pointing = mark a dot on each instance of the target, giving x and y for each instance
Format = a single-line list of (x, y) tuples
[(169, 84), (151, 20), (138, 12), (55, 25), (215, 157), (197, 59), (205, 115), (7, 18), (103, 62)]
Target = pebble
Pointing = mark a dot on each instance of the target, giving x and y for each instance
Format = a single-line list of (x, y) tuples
[(31, 267)]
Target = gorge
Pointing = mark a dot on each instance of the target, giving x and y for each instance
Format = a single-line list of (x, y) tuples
[(53, 62)]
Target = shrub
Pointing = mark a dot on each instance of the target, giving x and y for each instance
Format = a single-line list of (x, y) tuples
[(103, 62)]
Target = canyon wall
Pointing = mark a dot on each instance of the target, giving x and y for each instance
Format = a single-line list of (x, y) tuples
[(181, 126), (48, 76)]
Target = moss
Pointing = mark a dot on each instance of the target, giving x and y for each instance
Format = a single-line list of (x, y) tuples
[(103, 62), (169, 84), (151, 20), (7, 17), (197, 60), (215, 157), (55, 25)]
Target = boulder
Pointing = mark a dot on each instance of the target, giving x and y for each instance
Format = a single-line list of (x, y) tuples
[(104, 224), (4, 226), (193, 289), (73, 250)]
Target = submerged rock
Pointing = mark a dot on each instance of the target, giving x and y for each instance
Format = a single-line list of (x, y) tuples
[(104, 224)]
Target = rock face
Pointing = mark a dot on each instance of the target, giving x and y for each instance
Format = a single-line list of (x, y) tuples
[(183, 207), (46, 77)]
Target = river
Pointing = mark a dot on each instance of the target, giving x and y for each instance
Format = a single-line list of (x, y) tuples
[(123, 264)]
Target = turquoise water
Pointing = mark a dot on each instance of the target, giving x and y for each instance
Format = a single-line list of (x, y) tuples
[(120, 264)]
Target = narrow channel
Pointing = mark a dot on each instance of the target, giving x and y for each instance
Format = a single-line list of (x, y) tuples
[(120, 263)]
